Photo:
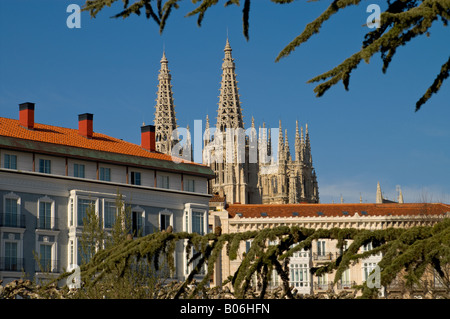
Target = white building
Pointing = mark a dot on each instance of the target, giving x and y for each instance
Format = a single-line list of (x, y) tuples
[(236, 218), (50, 174)]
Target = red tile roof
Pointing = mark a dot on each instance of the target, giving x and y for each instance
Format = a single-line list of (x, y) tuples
[(70, 137), (328, 210)]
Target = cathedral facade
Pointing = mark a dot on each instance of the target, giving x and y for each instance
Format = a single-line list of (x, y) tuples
[(252, 166)]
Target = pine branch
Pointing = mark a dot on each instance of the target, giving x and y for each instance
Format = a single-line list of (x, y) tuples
[(402, 21), (314, 27), (434, 88), (245, 18)]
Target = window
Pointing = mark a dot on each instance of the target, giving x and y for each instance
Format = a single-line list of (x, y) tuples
[(248, 245), (136, 178), (11, 212), (367, 247), (45, 257), (44, 215), (274, 184), (195, 223), (164, 221), (84, 252), (137, 223), (10, 161), (83, 206), (71, 213), (345, 279), (189, 185), (11, 261), (105, 174), (367, 269), (321, 248), (299, 275), (274, 280), (322, 282), (346, 245), (163, 181), (300, 254), (273, 242), (71, 253), (78, 170), (109, 214), (45, 166), (198, 223)]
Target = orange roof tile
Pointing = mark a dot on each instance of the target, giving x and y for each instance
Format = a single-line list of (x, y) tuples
[(328, 210), (70, 137)]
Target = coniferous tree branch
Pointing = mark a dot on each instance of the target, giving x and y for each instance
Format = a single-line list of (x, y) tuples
[(402, 21), (412, 250), (434, 88)]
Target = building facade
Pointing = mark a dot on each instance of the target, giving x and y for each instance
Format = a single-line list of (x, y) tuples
[(240, 218), (251, 166), (50, 175)]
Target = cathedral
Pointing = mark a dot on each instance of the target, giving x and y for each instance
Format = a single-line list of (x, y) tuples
[(251, 166)]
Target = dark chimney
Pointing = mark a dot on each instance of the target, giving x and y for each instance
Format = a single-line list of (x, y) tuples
[(86, 125), (148, 137), (26, 115)]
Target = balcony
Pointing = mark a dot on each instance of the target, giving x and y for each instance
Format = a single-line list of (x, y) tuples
[(47, 223), (47, 266), (344, 285), (11, 264), (323, 286), (12, 220), (322, 257)]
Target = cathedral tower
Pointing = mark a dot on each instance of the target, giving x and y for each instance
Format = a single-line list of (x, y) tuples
[(165, 121), (236, 178), (229, 114), (248, 168)]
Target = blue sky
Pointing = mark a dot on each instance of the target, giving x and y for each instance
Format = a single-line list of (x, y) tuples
[(109, 67)]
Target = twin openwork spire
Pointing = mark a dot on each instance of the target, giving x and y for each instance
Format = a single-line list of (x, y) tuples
[(290, 179)]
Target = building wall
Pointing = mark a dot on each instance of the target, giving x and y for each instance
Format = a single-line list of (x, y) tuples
[(356, 272), (29, 187)]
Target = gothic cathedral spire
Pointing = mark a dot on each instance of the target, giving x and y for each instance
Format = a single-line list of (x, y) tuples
[(229, 113), (165, 121)]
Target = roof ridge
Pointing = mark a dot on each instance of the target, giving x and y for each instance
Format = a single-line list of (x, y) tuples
[(71, 138)]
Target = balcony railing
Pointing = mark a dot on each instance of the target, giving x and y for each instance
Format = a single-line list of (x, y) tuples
[(47, 265), (11, 264), (345, 284), (397, 285), (49, 223), (323, 286), (12, 220), (323, 256)]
